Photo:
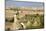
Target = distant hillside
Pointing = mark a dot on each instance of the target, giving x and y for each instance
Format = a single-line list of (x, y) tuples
[(22, 11)]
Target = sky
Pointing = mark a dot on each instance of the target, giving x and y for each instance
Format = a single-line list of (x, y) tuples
[(11, 3)]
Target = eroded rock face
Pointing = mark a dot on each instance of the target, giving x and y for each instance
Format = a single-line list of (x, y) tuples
[(18, 24), (29, 22)]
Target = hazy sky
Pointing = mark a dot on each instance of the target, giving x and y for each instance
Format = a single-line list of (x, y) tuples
[(10, 3)]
